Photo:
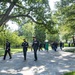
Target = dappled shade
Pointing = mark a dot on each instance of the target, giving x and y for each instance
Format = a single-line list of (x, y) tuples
[(48, 63)]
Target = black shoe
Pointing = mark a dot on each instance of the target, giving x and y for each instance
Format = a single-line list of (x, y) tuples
[(10, 58), (35, 60), (24, 59), (3, 59)]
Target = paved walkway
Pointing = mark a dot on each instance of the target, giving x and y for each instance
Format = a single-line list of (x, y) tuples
[(49, 63)]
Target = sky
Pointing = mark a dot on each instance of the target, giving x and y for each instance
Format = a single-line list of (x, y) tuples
[(51, 3), (14, 26)]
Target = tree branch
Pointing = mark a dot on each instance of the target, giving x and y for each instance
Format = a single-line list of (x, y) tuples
[(3, 19), (20, 6), (2, 15), (10, 17), (35, 20)]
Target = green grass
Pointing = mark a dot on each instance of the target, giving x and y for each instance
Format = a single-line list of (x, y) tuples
[(16, 50), (66, 45), (1, 52), (13, 51), (70, 50), (70, 73)]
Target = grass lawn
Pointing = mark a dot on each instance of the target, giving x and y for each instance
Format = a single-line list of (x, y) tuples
[(13, 51), (16, 50), (1, 52), (66, 45), (70, 50), (70, 73)]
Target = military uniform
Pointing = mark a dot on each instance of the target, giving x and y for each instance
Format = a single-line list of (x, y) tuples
[(35, 46), (7, 50), (61, 45), (25, 46)]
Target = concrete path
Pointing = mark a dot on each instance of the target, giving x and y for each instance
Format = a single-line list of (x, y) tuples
[(49, 63)]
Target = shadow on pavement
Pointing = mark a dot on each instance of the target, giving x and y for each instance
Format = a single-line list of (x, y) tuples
[(49, 63), (10, 74)]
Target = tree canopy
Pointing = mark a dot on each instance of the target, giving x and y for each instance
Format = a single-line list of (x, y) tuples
[(65, 14), (37, 11), (25, 12)]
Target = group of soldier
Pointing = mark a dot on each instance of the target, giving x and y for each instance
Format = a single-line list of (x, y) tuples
[(54, 45), (35, 46)]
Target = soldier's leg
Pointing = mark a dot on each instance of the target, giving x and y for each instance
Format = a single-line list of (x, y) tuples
[(35, 54), (24, 52), (54, 48), (61, 48), (9, 54), (25, 55), (5, 55)]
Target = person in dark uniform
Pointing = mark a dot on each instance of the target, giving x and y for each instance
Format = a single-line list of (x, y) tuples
[(7, 50), (35, 46), (40, 46), (55, 45), (61, 45), (25, 47)]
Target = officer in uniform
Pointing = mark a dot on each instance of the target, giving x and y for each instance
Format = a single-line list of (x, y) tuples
[(25, 46), (35, 46), (61, 45), (7, 50)]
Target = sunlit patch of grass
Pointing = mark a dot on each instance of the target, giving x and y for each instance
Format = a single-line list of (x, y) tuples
[(70, 73), (70, 50), (13, 50), (1, 52)]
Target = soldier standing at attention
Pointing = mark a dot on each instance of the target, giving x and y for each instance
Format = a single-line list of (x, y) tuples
[(7, 50), (35, 46), (25, 47)]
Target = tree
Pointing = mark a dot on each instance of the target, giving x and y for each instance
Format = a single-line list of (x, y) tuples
[(52, 37), (13, 37), (65, 17), (27, 31), (17, 10), (65, 13), (40, 33)]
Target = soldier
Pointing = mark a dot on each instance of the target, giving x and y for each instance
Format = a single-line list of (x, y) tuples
[(35, 46), (7, 50), (40, 46), (61, 45), (55, 45), (25, 46)]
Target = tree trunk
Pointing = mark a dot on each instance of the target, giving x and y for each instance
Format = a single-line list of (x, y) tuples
[(4, 17)]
